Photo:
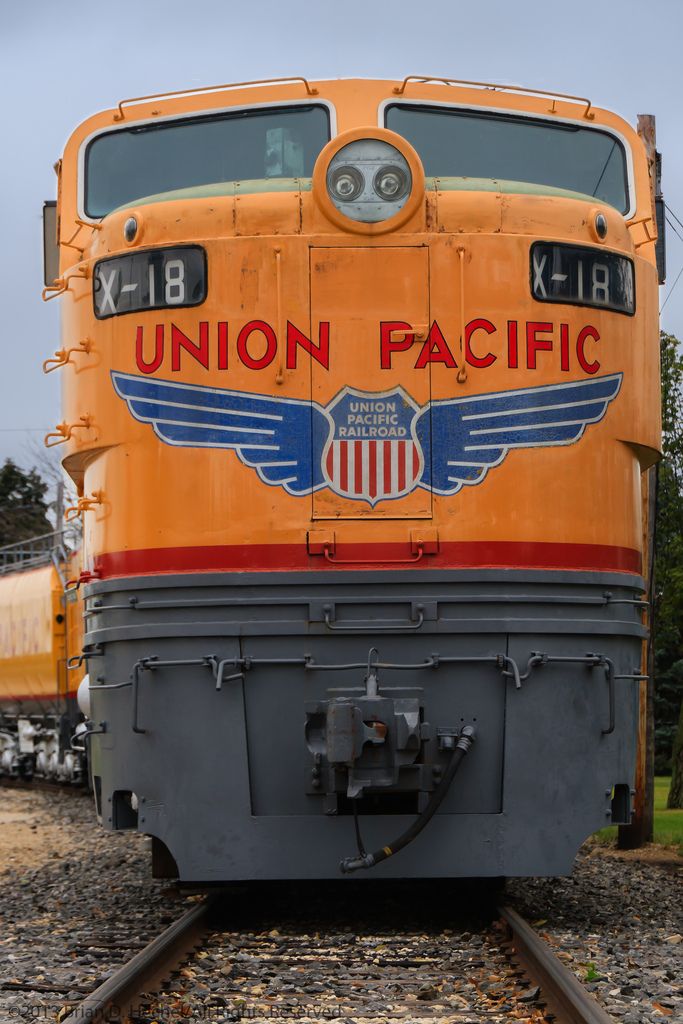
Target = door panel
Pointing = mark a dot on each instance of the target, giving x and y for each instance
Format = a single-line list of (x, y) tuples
[(371, 457)]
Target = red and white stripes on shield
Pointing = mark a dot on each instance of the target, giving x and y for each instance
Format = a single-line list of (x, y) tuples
[(373, 470)]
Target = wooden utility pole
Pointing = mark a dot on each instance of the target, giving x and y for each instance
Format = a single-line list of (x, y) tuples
[(641, 828)]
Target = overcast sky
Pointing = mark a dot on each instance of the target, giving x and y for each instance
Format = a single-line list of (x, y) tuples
[(59, 63)]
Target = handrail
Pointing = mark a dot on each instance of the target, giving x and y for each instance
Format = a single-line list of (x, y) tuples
[(399, 90), (63, 355), (31, 540), (34, 552), (64, 431), (120, 115)]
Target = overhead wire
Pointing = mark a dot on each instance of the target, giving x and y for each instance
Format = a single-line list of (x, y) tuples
[(669, 210), (678, 235), (602, 172), (674, 228), (671, 290)]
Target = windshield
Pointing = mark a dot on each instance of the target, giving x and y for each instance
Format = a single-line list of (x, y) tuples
[(472, 144), (271, 142)]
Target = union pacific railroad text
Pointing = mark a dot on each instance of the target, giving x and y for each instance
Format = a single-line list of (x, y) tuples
[(530, 344)]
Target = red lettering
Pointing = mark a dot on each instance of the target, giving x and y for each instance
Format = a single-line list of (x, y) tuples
[(478, 325), (586, 332), (320, 352), (271, 344), (222, 344), (534, 344), (158, 350), (435, 350), (395, 336), (513, 359), (199, 350), (564, 346), (386, 346)]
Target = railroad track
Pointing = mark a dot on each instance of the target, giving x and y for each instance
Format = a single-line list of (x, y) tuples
[(489, 966)]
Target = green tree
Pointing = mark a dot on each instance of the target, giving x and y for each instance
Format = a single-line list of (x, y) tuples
[(669, 565), (23, 508)]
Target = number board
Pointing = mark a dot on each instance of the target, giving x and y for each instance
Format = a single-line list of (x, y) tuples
[(582, 276), (153, 279)]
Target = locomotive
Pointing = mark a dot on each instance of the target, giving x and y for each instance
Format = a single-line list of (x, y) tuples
[(360, 396), (41, 628)]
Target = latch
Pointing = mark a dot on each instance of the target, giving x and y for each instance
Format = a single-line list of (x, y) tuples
[(320, 541)]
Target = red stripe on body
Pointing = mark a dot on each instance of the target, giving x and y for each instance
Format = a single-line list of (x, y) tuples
[(292, 557), (372, 448)]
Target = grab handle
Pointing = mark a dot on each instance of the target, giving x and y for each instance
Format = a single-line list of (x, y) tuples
[(328, 552), (358, 627)]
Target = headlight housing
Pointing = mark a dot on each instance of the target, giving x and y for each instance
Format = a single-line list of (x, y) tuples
[(368, 180)]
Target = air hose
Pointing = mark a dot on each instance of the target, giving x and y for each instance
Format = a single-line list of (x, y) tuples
[(368, 860)]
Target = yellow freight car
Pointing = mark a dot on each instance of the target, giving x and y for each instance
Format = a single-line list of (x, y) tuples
[(40, 627)]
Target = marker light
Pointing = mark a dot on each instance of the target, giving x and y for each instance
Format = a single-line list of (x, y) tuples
[(369, 180), (600, 225), (130, 229)]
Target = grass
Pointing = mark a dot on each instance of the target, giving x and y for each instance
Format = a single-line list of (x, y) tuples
[(668, 825)]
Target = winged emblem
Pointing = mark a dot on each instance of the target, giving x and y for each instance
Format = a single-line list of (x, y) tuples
[(368, 446)]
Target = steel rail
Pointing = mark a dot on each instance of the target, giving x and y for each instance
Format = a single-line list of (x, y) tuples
[(151, 965), (565, 995)]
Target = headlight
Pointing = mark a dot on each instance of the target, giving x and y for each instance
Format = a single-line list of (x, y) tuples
[(392, 183), (369, 180), (346, 184)]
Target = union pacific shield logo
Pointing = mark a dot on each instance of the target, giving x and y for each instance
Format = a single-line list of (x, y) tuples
[(369, 445), (373, 453)]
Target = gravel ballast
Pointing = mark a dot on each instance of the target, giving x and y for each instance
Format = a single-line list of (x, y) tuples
[(618, 920), (76, 902)]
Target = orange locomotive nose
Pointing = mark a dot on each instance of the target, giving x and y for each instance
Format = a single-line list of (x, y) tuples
[(347, 379)]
